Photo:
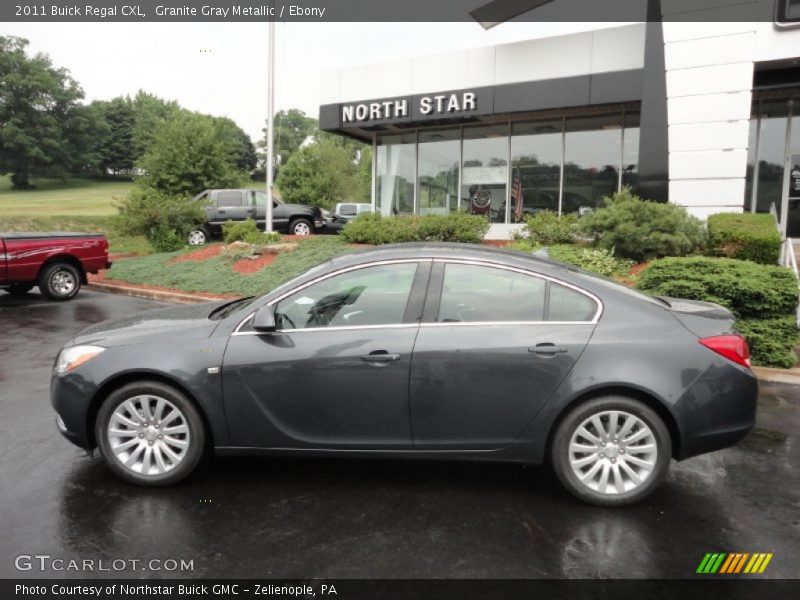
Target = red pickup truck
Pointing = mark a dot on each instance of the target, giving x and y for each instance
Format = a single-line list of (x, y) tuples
[(57, 262)]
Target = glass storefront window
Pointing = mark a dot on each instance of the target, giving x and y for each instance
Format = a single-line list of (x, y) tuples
[(437, 171), (591, 161), (535, 167), (484, 175), (394, 185), (630, 151), (771, 155)]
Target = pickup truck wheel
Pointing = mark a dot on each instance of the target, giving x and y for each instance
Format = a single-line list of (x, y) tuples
[(301, 227), (20, 289), (59, 281), (199, 236)]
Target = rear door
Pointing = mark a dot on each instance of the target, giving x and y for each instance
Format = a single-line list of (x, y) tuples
[(494, 344), (230, 206), (3, 260)]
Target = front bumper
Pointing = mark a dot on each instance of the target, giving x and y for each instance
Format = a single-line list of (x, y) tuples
[(71, 397)]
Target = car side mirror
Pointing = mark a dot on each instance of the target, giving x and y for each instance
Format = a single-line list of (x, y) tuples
[(264, 319)]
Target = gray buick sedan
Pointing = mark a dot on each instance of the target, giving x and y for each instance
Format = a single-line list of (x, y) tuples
[(443, 351)]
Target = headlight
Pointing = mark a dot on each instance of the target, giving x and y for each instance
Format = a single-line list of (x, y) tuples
[(72, 358)]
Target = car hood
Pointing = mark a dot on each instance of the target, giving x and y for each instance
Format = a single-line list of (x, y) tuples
[(166, 323)]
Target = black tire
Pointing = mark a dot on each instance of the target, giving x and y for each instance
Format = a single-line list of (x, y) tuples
[(650, 480), (196, 437), (306, 227), (195, 235), (19, 289), (59, 281)]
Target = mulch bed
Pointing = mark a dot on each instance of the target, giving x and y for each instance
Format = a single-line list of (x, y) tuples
[(636, 269), (248, 266), (198, 255)]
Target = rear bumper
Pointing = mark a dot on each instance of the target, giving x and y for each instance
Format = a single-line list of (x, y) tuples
[(717, 410)]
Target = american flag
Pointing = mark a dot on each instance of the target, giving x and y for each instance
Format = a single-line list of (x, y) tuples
[(516, 196)]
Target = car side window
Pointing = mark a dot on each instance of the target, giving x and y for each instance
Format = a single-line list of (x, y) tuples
[(568, 305), (474, 293), (259, 198), (369, 296), (347, 210), (231, 198), (484, 294)]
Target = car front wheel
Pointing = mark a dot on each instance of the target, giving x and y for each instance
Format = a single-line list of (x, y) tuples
[(301, 227), (611, 451), (150, 434)]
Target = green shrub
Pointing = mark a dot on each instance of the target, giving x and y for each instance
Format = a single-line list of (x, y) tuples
[(746, 236), (748, 289), (641, 229), (600, 261), (150, 213), (771, 341), (547, 228), (373, 228), (243, 231), (166, 239)]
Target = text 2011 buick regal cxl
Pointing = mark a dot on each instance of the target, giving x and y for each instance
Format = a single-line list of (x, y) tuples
[(419, 351)]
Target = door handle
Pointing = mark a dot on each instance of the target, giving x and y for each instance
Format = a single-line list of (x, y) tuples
[(380, 357), (547, 349)]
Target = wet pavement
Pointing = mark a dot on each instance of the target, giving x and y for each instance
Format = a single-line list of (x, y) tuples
[(302, 518)]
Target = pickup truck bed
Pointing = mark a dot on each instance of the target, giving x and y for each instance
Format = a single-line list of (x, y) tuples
[(56, 261)]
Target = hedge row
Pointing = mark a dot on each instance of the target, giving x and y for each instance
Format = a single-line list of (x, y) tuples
[(745, 236), (762, 297), (373, 228)]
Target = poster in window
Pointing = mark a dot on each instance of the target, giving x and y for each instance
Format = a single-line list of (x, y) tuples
[(794, 177)]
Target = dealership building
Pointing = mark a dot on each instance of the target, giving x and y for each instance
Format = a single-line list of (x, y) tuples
[(704, 115)]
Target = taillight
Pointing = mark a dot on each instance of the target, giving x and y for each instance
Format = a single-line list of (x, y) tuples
[(733, 347)]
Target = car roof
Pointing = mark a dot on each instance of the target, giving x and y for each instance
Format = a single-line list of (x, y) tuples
[(454, 250)]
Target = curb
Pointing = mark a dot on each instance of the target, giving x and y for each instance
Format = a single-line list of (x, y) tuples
[(150, 294), (771, 375)]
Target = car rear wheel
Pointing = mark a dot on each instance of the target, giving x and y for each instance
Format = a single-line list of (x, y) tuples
[(19, 289), (611, 451), (150, 434), (301, 227), (199, 236), (59, 281)]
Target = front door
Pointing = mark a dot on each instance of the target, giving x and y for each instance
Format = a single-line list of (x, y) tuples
[(492, 349), (335, 374)]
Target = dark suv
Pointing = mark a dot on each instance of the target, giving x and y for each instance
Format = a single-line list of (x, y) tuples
[(222, 206)]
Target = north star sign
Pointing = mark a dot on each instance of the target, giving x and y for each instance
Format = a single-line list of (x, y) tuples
[(434, 104)]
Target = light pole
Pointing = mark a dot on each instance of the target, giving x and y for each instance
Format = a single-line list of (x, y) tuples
[(270, 112)]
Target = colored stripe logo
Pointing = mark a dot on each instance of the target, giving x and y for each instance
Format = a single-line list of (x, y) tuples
[(732, 563)]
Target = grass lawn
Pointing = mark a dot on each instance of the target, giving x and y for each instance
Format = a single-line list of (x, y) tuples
[(216, 275), (68, 205), (54, 197)]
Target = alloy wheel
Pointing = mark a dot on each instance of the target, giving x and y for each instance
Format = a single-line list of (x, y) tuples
[(148, 435), (197, 237), (613, 452), (302, 228), (62, 283)]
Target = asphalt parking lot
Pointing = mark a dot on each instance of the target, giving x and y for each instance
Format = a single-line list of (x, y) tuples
[(281, 518)]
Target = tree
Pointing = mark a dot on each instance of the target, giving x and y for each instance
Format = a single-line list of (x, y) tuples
[(291, 128), (323, 173), (241, 147), (116, 147), (150, 112), (187, 155), (44, 130)]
